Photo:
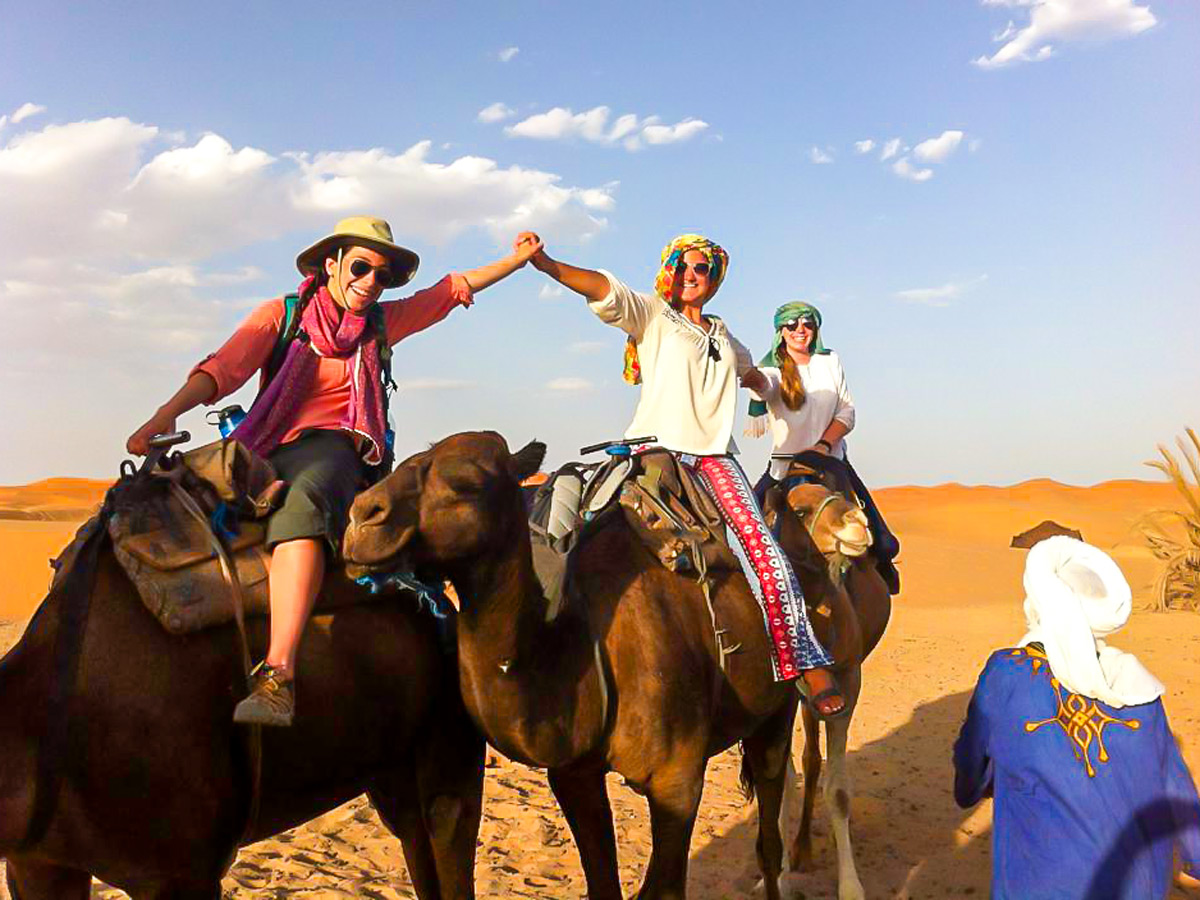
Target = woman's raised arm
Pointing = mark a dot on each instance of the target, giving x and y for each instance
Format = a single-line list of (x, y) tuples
[(525, 247), (587, 282)]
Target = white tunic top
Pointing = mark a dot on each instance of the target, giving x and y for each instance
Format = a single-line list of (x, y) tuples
[(827, 397), (688, 399)]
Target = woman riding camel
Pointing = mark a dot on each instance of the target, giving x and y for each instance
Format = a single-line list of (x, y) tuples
[(806, 403), (321, 418), (688, 365)]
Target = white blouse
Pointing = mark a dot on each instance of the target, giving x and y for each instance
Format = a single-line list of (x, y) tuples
[(827, 397), (688, 399)]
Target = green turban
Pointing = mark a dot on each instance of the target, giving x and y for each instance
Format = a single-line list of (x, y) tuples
[(789, 312)]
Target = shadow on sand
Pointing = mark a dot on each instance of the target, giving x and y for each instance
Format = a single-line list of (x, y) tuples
[(910, 839)]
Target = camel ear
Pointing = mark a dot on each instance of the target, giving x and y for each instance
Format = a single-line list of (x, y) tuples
[(527, 461)]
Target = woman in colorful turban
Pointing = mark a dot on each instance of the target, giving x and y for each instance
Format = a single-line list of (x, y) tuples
[(806, 404), (689, 366)]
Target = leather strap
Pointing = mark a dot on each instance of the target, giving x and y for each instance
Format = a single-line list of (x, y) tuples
[(229, 570)]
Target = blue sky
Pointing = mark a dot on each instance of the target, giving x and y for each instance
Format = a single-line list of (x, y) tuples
[(1002, 237)]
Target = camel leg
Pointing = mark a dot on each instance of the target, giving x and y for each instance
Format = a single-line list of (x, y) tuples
[(837, 795), (766, 753), (674, 796), (583, 796), (42, 881), (433, 803), (396, 799), (801, 857)]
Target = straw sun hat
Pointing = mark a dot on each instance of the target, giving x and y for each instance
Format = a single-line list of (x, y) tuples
[(363, 231)]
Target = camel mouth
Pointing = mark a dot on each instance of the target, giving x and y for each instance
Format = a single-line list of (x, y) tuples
[(852, 549), (366, 553)]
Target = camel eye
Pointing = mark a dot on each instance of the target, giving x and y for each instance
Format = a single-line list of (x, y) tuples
[(464, 477)]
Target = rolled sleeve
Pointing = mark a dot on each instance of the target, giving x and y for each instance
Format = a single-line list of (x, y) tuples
[(624, 308), (425, 308), (246, 351)]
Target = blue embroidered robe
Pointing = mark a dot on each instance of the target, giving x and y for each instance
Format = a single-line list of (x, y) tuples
[(1090, 802)]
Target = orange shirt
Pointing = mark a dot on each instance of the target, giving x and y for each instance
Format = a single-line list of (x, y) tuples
[(249, 349)]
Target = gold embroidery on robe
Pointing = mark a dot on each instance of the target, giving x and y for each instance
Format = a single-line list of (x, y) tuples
[(1080, 718)]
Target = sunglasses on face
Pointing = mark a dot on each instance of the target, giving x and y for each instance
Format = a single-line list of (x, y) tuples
[(700, 268), (807, 323), (359, 268)]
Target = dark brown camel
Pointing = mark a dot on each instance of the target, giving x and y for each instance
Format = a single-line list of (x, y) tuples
[(850, 627), (153, 778), (626, 677)]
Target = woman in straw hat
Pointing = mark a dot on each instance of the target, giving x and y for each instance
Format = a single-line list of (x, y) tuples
[(689, 365), (319, 416), (806, 404), (1092, 798)]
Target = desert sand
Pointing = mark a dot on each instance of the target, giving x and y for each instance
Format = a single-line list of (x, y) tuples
[(961, 600)]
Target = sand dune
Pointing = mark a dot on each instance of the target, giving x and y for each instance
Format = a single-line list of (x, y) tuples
[(962, 593)]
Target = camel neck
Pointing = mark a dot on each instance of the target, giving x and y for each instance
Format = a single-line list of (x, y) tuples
[(522, 677)]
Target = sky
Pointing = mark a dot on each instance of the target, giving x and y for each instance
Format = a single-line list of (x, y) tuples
[(994, 203)]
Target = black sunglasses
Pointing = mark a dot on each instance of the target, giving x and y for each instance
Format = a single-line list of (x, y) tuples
[(383, 275), (700, 268), (792, 326)]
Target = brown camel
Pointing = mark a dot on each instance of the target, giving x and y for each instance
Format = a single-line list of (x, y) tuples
[(121, 759), (626, 676), (850, 627)]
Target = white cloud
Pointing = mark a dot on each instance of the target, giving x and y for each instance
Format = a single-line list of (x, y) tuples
[(1063, 21), (108, 231), (497, 112), (25, 110), (819, 156), (940, 296), (890, 149), (905, 169), (673, 134), (587, 346), (938, 149), (864, 146), (628, 130), (508, 54), (550, 291), (569, 384)]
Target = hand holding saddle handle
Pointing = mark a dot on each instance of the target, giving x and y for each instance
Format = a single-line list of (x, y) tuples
[(165, 441)]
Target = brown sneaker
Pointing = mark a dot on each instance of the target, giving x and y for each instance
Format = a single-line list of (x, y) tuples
[(272, 699)]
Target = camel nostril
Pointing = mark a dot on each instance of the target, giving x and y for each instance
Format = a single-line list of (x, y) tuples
[(372, 513)]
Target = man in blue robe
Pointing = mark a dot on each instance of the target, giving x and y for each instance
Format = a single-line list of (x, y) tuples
[(1091, 795)]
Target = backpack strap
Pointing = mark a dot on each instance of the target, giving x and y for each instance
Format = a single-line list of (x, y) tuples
[(293, 310)]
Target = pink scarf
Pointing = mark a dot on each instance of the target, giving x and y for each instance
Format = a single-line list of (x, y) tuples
[(331, 332)]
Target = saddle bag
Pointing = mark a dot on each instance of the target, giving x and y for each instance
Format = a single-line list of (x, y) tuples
[(165, 541), (675, 517)]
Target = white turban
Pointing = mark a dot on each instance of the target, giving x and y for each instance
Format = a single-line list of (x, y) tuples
[(1074, 596)]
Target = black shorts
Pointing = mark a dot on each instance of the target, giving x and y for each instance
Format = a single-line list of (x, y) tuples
[(324, 472)]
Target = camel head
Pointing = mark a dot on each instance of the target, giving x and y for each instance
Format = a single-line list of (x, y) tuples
[(818, 526), (458, 499)]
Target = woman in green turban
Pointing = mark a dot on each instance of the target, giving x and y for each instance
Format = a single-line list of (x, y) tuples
[(807, 406)]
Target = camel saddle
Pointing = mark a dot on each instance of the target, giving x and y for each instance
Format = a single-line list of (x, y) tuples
[(165, 528), (661, 500)]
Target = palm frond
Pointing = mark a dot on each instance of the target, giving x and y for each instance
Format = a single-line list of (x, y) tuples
[(1178, 584)]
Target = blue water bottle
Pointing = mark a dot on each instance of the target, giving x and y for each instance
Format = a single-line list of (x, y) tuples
[(228, 418)]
